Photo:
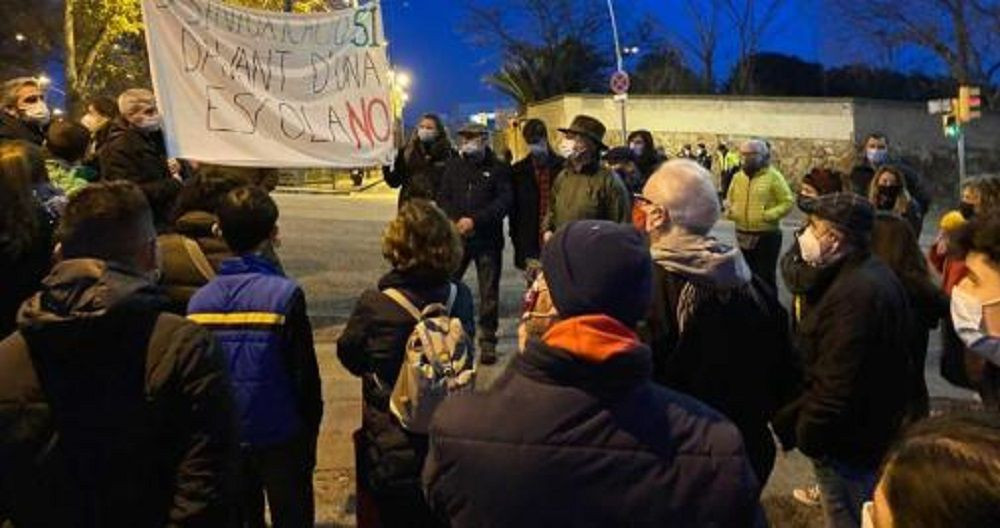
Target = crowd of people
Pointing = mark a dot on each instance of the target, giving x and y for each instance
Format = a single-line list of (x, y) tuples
[(157, 366)]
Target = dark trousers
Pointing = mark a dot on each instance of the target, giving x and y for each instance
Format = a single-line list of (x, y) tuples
[(489, 262), (763, 256), (284, 473)]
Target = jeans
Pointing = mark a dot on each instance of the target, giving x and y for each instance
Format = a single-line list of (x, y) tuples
[(763, 257), (283, 472), (844, 490), (488, 266)]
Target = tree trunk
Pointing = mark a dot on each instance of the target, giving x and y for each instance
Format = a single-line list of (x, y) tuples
[(72, 78)]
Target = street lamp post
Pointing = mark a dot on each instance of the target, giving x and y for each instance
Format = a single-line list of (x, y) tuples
[(621, 66)]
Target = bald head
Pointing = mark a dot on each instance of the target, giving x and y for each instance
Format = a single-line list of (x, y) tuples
[(684, 190)]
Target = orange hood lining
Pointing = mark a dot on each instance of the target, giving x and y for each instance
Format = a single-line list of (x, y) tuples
[(592, 338)]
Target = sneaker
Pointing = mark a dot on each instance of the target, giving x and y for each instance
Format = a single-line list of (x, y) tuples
[(809, 496), (487, 353)]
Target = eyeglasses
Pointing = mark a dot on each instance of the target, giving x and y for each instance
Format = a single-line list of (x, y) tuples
[(641, 200), (32, 99)]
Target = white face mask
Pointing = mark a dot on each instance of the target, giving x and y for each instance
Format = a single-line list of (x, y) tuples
[(567, 148), (427, 134), (471, 148), (967, 316), (538, 149), (37, 113), (810, 247), (149, 124)]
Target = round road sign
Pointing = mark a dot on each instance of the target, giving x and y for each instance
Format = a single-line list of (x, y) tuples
[(619, 82)]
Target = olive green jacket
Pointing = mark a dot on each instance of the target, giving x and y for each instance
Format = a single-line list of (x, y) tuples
[(578, 196), (758, 204)]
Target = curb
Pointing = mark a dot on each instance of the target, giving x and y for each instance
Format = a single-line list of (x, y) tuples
[(333, 192)]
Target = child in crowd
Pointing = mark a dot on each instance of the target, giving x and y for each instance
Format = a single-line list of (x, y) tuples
[(259, 318), (67, 144)]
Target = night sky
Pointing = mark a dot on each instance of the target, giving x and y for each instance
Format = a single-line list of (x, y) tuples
[(425, 40)]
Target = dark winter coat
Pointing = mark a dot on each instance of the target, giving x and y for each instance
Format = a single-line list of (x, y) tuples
[(525, 212), (566, 440), (140, 157), (111, 412), (856, 345), (418, 168), (748, 371), (477, 189), (13, 129), (23, 271), (191, 256), (371, 347), (861, 177)]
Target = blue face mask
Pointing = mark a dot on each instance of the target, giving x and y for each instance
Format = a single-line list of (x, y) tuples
[(876, 156)]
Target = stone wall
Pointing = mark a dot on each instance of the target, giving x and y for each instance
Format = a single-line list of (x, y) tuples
[(804, 132)]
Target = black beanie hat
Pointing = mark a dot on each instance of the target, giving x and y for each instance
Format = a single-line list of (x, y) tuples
[(599, 267)]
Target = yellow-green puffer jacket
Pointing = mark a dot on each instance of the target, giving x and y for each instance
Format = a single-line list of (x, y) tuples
[(759, 203)]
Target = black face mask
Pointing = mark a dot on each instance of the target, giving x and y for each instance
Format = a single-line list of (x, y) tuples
[(887, 195), (967, 209), (804, 202)]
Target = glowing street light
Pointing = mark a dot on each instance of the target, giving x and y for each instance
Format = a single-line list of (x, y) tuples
[(403, 80), (20, 37), (57, 112), (43, 79)]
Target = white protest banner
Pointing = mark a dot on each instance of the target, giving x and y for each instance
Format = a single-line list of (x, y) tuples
[(246, 87)]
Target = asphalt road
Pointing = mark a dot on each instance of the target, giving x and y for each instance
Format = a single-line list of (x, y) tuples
[(332, 246)]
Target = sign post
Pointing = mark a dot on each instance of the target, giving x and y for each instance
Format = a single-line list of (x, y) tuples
[(620, 84)]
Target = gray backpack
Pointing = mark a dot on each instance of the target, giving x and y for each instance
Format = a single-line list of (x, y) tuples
[(438, 361)]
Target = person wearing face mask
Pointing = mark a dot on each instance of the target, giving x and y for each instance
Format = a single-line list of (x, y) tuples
[(24, 115), (100, 390), (700, 286), (643, 148), (875, 154), (475, 193), (758, 198), (419, 164), (101, 112), (975, 307), (585, 190), (135, 151), (856, 348), (531, 182), (888, 192)]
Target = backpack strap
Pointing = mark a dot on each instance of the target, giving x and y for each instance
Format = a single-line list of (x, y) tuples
[(452, 295), (400, 299)]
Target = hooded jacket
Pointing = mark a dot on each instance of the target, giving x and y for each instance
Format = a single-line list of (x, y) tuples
[(111, 412), (140, 157), (191, 257), (701, 287), (574, 433), (650, 160)]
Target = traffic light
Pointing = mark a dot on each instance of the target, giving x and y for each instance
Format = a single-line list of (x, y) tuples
[(950, 125), (969, 104)]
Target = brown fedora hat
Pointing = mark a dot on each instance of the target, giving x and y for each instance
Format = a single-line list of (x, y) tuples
[(589, 127)]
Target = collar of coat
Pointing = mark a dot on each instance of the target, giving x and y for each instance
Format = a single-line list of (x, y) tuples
[(596, 352)]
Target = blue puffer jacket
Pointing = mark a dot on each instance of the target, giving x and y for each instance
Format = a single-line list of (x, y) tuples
[(246, 306)]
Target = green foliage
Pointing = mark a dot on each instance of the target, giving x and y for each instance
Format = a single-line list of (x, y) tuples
[(39, 32), (663, 71), (533, 73)]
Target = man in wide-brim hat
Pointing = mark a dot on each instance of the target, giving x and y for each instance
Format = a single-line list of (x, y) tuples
[(585, 190)]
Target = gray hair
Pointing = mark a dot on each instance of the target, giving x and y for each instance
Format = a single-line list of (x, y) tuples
[(8, 98), (685, 190), (758, 145), (129, 100)]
